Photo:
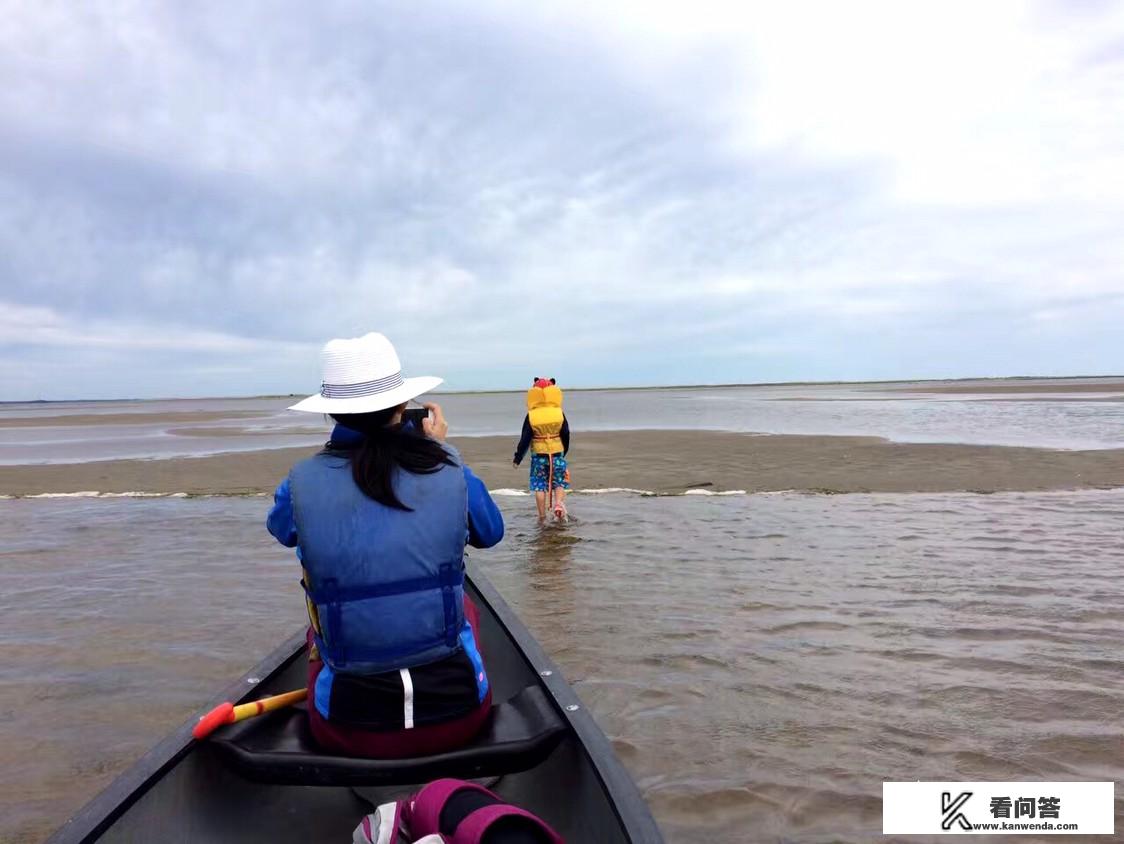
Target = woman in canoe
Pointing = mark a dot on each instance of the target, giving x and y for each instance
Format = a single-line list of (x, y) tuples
[(380, 518)]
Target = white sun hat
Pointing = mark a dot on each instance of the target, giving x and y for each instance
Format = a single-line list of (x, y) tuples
[(362, 375)]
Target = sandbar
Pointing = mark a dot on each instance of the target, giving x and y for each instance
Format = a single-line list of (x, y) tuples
[(656, 461)]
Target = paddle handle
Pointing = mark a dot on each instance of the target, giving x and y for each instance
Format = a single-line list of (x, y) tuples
[(228, 713)]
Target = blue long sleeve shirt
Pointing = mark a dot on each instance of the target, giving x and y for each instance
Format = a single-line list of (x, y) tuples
[(485, 522)]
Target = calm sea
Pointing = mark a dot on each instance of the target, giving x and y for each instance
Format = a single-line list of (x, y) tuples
[(902, 412), (762, 663)]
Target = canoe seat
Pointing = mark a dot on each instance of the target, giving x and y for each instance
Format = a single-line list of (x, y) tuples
[(278, 748)]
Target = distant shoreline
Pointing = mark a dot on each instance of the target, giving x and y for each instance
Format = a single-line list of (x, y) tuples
[(988, 380)]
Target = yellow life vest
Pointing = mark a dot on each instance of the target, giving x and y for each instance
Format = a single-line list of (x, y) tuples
[(544, 410)]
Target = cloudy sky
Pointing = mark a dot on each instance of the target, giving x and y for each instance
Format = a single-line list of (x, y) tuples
[(195, 196)]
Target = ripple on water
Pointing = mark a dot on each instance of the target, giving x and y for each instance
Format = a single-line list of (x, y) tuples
[(761, 663)]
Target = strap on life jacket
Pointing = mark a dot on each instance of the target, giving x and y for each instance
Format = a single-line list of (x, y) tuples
[(332, 596), (550, 483)]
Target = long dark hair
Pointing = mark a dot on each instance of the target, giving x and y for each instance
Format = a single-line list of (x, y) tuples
[(384, 448)]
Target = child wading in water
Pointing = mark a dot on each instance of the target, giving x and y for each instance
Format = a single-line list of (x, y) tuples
[(547, 433)]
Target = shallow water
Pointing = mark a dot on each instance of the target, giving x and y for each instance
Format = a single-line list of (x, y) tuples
[(762, 663), (1046, 419)]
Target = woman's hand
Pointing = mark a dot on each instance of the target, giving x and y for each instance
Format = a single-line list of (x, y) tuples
[(434, 426)]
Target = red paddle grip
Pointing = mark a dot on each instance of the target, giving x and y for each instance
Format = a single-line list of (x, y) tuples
[(221, 714)]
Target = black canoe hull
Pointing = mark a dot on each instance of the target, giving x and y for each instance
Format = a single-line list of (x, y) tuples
[(182, 790)]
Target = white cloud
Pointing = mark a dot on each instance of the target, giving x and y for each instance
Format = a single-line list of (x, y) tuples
[(622, 178), (964, 103), (22, 325)]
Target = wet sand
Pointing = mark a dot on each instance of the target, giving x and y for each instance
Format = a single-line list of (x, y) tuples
[(658, 461)]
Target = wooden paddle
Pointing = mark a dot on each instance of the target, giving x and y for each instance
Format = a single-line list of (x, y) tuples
[(228, 713)]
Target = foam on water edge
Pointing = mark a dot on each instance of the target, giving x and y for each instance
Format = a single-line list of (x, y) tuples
[(611, 490), (625, 490), (715, 492)]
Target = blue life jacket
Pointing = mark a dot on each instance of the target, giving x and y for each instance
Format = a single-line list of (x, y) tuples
[(388, 584)]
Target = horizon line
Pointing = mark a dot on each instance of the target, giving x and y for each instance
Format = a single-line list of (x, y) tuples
[(516, 390)]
